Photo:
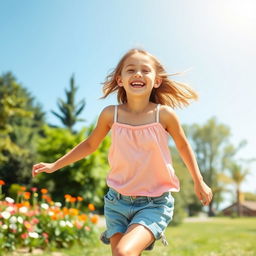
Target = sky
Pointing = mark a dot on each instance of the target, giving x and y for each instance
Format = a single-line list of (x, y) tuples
[(44, 42)]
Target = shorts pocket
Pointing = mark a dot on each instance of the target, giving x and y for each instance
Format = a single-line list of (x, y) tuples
[(161, 200), (110, 197), (165, 199)]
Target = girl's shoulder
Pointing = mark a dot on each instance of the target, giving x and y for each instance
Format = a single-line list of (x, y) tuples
[(166, 112), (108, 113), (170, 120)]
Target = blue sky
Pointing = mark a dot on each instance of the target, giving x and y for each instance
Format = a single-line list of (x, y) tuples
[(44, 42)]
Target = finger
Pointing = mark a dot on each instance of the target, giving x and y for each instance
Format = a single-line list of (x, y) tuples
[(37, 171), (36, 166)]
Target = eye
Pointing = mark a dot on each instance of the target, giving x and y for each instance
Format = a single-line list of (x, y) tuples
[(145, 71), (130, 70)]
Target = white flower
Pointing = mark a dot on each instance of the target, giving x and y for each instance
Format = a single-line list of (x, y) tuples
[(13, 219), (45, 206), (10, 209), (4, 226), (69, 224), (50, 213), (33, 234), (13, 226), (63, 223), (58, 204), (9, 200), (6, 215), (23, 209), (20, 219)]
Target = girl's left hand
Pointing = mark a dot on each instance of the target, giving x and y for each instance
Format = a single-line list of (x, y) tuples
[(203, 192)]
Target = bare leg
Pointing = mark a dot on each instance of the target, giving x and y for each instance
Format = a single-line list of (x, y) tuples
[(114, 240), (134, 241)]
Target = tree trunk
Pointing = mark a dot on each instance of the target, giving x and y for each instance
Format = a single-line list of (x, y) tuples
[(211, 213), (238, 203)]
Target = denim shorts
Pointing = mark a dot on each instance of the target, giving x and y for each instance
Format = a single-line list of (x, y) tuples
[(155, 213)]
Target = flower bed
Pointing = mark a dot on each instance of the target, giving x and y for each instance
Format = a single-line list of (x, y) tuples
[(34, 220)]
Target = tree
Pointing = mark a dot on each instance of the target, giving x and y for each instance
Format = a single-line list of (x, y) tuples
[(185, 196), (238, 174), (20, 123), (69, 110), (208, 142)]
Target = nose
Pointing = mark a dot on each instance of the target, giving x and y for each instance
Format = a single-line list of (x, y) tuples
[(138, 74)]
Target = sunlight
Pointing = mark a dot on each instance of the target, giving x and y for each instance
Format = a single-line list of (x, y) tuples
[(240, 13)]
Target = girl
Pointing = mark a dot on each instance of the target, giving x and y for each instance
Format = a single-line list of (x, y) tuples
[(139, 205)]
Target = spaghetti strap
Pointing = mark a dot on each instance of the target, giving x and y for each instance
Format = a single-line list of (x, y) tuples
[(115, 116), (157, 113)]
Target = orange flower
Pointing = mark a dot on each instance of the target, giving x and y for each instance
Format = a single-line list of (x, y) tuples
[(91, 207), (54, 217), (65, 211), (26, 195), (94, 219), (72, 199), (44, 191), (2, 182), (67, 197), (79, 198), (22, 188), (82, 217), (47, 198)]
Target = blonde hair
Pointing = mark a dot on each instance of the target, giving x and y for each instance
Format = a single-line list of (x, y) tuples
[(171, 93)]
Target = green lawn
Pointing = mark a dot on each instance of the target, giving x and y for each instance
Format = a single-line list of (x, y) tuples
[(218, 237)]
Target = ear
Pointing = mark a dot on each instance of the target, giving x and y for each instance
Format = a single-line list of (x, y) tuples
[(158, 82), (119, 81)]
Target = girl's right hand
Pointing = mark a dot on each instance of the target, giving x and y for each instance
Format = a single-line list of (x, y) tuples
[(42, 167)]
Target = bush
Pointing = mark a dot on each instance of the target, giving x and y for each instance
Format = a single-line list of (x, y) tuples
[(40, 222)]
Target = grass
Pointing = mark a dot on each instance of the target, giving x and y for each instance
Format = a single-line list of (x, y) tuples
[(218, 237)]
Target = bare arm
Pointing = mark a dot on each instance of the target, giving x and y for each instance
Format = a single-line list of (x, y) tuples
[(176, 131), (83, 149)]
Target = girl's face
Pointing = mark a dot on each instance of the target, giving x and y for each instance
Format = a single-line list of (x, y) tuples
[(138, 75)]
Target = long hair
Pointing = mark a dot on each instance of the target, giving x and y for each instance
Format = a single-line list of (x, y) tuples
[(170, 92)]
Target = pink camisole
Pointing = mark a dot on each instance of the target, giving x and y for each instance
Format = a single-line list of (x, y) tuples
[(140, 160)]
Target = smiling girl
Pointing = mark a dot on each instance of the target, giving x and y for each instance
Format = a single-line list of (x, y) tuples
[(139, 205)]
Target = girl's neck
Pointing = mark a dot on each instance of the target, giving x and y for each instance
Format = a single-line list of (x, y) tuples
[(138, 106)]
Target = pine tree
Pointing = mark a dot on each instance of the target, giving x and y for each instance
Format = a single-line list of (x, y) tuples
[(69, 110)]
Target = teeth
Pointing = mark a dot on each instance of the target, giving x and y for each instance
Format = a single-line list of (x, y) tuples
[(137, 83)]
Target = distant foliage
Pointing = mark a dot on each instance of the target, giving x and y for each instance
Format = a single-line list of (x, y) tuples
[(20, 124), (85, 177)]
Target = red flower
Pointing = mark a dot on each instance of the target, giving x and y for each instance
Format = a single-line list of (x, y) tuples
[(2, 182)]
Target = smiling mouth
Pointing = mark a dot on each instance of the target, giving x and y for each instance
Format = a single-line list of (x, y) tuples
[(137, 84)]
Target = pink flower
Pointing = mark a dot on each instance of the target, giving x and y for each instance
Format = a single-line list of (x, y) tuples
[(45, 235), (24, 235), (28, 226), (34, 189), (35, 221)]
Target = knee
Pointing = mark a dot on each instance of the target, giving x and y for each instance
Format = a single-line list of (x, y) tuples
[(122, 251)]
